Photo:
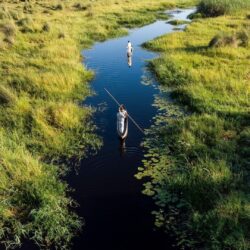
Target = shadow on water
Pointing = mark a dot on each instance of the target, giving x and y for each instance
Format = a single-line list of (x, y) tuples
[(117, 216)]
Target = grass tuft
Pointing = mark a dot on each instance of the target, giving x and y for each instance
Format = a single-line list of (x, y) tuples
[(8, 29), (61, 35), (6, 96), (46, 27), (213, 8), (10, 40), (81, 6), (28, 8), (224, 40)]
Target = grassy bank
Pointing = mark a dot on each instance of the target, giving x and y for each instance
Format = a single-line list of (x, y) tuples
[(198, 159), (42, 84)]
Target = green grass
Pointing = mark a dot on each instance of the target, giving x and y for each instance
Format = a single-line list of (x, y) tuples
[(213, 8), (33, 201), (43, 83), (198, 149)]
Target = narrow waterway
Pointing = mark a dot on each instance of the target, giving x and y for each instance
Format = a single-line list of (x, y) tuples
[(116, 214)]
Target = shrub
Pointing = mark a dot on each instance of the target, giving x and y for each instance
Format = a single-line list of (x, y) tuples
[(8, 29), (59, 7), (48, 12), (80, 6), (61, 35), (25, 24), (195, 15), (6, 96), (9, 39), (24, 21), (222, 40), (27, 8), (213, 8), (243, 36), (26, 29)]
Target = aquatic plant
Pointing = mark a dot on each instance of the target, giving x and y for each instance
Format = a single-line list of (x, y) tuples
[(197, 165)]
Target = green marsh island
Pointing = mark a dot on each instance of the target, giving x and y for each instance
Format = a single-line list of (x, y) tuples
[(195, 164)]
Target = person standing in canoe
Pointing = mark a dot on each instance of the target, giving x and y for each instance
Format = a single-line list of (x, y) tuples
[(122, 117), (129, 49)]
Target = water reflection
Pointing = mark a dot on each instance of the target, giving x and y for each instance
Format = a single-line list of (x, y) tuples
[(109, 196), (129, 53), (130, 61), (122, 147)]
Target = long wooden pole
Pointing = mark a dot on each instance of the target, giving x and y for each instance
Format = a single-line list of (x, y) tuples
[(128, 114)]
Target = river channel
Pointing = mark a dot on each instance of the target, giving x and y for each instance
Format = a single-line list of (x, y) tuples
[(116, 214)]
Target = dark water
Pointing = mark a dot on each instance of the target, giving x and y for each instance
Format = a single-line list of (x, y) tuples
[(117, 215)]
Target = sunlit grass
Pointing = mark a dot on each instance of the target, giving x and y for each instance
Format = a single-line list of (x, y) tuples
[(32, 198), (43, 83), (198, 158), (213, 8)]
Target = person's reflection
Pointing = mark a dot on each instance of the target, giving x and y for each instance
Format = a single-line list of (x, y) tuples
[(130, 61), (129, 53), (122, 147)]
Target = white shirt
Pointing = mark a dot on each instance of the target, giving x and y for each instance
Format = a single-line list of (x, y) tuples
[(121, 115), (129, 48)]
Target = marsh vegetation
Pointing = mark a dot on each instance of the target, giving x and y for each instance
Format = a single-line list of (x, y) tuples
[(43, 124), (198, 148)]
